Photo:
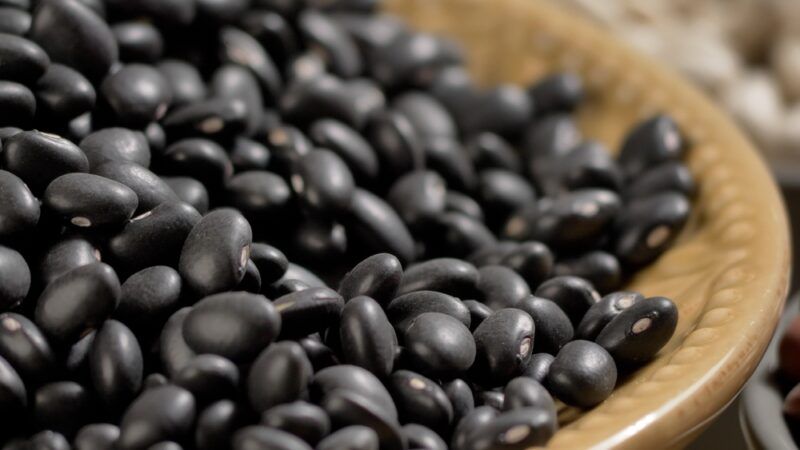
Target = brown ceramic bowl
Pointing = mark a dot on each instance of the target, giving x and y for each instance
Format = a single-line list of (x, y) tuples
[(727, 272)]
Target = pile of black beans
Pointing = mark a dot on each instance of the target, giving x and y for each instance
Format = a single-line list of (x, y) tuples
[(456, 251)]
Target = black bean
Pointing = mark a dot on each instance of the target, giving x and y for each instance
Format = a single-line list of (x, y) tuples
[(350, 146), (493, 398), (602, 312), (39, 158), (240, 48), (209, 378), (553, 326), (308, 311), (201, 159), (216, 425), (154, 380), (77, 358), (280, 374), (572, 294), (159, 414), (213, 118), (221, 12), (116, 144), (154, 238), (172, 12), (249, 323), (216, 251), (49, 440), (63, 406), (649, 143), (74, 35), (637, 333), (460, 203), (189, 191), (539, 366), (353, 379), (420, 400), (249, 155), (418, 197), (558, 93), (490, 151), (458, 235), (271, 262), (525, 392), (410, 59), (478, 312), (505, 109), (116, 365), (273, 32), (15, 278), (421, 437), (24, 346), (20, 209), (149, 188), (324, 183), (396, 143), (466, 428), (532, 260), (504, 343), (302, 419), (23, 60), (184, 81), (428, 117), (14, 21), (501, 287), (461, 397), (518, 429), (370, 32), (648, 226), (377, 276), (96, 436), (353, 437), (583, 374), (493, 255), (439, 344), (62, 94), (669, 176), (87, 200), (338, 48), (552, 136), (502, 192), (251, 282), (13, 397), (448, 275), (149, 295), (589, 165), (138, 41), (258, 436), (404, 309), (347, 408), (367, 338), (308, 99), (297, 272), (165, 445), (236, 82), (376, 227), (77, 301), (258, 194), (447, 156), (600, 268)]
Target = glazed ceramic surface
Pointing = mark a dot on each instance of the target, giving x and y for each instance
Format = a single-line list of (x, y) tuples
[(727, 272)]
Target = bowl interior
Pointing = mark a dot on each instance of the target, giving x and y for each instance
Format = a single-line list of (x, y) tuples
[(728, 270)]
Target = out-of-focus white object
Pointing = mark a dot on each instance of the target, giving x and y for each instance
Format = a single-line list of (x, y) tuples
[(754, 100)]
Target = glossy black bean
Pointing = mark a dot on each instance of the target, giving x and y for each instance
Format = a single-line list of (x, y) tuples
[(308, 99), (376, 227), (270, 261), (149, 188), (539, 366), (138, 41), (154, 238), (463, 204), (602, 312), (173, 349), (216, 425), (338, 48), (20, 209), (319, 242), (353, 379), (367, 337), (669, 176), (600, 268), (421, 437), (583, 374), (649, 143), (87, 200), (116, 365), (553, 326), (418, 197), (648, 226), (18, 104), (258, 437), (639, 331), (439, 344), (572, 294), (302, 419), (404, 309), (96, 436), (14, 21), (428, 117), (396, 143), (184, 81), (273, 32), (458, 235), (213, 118), (466, 428), (15, 278), (149, 296), (350, 146), (249, 155), (490, 151), (447, 156), (353, 437), (39, 158), (320, 355), (258, 194), (63, 406), (532, 260), (505, 109), (525, 392), (377, 276), (449, 275), (249, 323), (280, 374), (158, 414), (324, 183), (517, 429), (478, 312), (590, 165), (240, 48), (501, 287), (308, 311), (49, 440), (23, 60), (72, 34), (551, 136), (410, 60), (236, 82), (62, 94), (297, 272), (24, 346), (461, 397), (347, 408), (77, 301), (116, 144), (189, 191), (504, 343), (136, 94), (209, 378), (557, 93), (502, 192), (216, 251)]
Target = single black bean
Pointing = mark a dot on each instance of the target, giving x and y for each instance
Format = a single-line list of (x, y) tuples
[(259, 194), (248, 154), (240, 48), (209, 378), (464, 432), (669, 176), (396, 143), (367, 337), (15, 278), (154, 238), (216, 251), (637, 333), (600, 268), (87, 200), (64, 406), (324, 183), (138, 41), (353, 437), (18, 104), (439, 344), (532, 260), (553, 327), (421, 437), (184, 80), (236, 82), (461, 397), (287, 144), (308, 311), (273, 32), (539, 366), (350, 146), (347, 408), (557, 93), (201, 159), (77, 302), (572, 294), (302, 419), (517, 429), (447, 157), (490, 151), (505, 109), (116, 144), (449, 275), (270, 261), (478, 312), (583, 374), (463, 204), (502, 192), (14, 21), (39, 158), (190, 191), (96, 436), (428, 117), (458, 235), (116, 365), (258, 436), (149, 295), (353, 379), (23, 60), (280, 374), (376, 227), (297, 272), (249, 323), (602, 312), (403, 310), (525, 392), (651, 142), (504, 343), (377, 276), (74, 35), (24, 346), (418, 197), (501, 287), (157, 415), (20, 209), (338, 48), (552, 136), (217, 118), (62, 94), (49, 440), (588, 165), (410, 59), (149, 188), (216, 425), (320, 355)]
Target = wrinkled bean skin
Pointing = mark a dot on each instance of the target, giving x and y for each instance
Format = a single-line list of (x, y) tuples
[(116, 144), (304, 420), (583, 374), (87, 200), (366, 336), (354, 437), (24, 346), (637, 333), (280, 374), (96, 436), (39, 158), (116, 365), (15, 278), (308, 311), (504, 343), (439, 344), (158, 414), (603, 312)]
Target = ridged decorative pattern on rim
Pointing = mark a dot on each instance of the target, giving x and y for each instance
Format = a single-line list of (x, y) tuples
[(729, 268)]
